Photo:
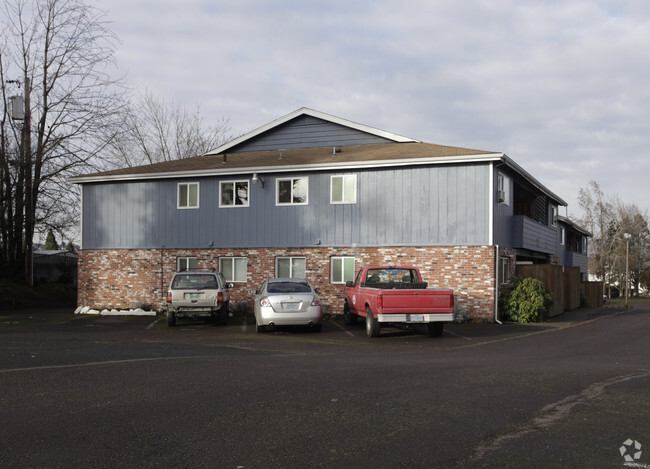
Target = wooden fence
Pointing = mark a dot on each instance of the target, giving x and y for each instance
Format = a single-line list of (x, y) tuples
[(565, 285)]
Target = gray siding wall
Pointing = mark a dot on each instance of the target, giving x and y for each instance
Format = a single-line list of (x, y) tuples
[(503, 213), (438, 205), (307, 132), (529, 234)]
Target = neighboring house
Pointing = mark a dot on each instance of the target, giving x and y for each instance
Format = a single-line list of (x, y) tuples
[(55, 266), (316, 196)]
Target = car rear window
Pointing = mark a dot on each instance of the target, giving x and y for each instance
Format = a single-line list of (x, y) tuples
[(288, 287), (391, 275), (193, 281)]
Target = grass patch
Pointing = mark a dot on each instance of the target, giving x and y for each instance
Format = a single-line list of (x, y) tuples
[(16, 295)]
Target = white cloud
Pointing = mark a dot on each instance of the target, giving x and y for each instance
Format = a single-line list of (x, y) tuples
[(560, 86)]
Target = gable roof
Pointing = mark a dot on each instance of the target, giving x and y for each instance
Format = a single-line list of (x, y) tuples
[(312, 113), (227, 161), (297, 159)]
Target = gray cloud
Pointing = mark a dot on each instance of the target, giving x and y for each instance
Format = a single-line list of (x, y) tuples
[(560, 86)]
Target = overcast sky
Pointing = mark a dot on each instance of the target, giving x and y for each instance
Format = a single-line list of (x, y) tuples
[(561, 87)]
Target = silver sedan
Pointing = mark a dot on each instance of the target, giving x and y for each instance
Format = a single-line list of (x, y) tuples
[(287, 302)]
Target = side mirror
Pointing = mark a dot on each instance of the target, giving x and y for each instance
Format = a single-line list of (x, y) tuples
[(230, 285), (349, 283)]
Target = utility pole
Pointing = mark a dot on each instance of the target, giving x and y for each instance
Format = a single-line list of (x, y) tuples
[(29, 187), (627, 237)]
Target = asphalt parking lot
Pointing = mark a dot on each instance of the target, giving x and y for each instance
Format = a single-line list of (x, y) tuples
[(97, 391)]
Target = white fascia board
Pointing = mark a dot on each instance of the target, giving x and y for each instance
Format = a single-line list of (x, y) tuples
[(310, 112), (334, 166)]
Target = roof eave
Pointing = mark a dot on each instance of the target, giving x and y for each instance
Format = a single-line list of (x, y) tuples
[(336, 166)]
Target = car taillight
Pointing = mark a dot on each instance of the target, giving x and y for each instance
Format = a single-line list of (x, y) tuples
[(265, 302), (380, 301), (315, 302), (219, 298), (169, 297)]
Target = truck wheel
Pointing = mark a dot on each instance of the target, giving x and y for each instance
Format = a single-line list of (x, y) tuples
[(372, 325), (171, 319), (435, 328), (349, 318)]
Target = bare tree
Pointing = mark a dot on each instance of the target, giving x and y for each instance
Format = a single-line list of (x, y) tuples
[(598, 218), (154, 130), (632, 221), (59, 52)]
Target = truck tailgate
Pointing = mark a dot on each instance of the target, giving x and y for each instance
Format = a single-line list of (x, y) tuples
[(417, 301)]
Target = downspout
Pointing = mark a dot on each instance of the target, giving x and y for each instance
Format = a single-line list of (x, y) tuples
[(496, 287)]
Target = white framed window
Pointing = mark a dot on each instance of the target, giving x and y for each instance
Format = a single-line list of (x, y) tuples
[(343, 189), (553, 215), (291, 267), (292, 191), (186, 263), (234, 269), (341, 269), (503, 189), (505, 270), (234, 194), (188, 195)]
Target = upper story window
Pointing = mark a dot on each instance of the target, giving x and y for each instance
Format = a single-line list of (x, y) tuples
[(553, 215), (188, 195), (234, 194), (503, 189), (343, 189), (292, 191), (562, 236)]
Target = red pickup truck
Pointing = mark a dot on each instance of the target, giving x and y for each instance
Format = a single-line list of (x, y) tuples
[(387, 294)]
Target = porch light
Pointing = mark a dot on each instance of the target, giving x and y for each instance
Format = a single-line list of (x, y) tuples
[(257, 179)]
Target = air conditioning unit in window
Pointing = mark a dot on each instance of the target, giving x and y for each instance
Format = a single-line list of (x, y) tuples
[(501, 195)]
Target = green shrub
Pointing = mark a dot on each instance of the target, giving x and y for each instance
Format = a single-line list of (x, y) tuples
[(527, 301)]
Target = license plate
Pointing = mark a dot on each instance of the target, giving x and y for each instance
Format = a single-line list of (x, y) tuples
[(291, 306), (415, 317), (192, 296)]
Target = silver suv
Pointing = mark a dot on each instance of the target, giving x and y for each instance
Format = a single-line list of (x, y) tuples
[(197, 294)]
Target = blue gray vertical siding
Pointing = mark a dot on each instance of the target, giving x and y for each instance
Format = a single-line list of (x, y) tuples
[(435, 205), (307, 132)]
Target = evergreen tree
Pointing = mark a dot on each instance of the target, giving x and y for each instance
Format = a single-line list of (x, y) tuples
[(50, 242)]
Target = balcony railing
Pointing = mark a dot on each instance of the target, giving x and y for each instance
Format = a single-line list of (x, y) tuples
[(529, 234)]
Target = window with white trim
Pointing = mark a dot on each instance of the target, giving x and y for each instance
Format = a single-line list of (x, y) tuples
[(341, 269), (188, 195), (292, 191), (186, 263), (553, 215), (291, 267), (343, 189), (234, 194), (505, 270), (233, 268), (503, 189)]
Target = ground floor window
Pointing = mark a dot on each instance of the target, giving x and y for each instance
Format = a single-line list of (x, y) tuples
[(291, 267), (341, 269), (504, 272), (186, 263), (233, 268)]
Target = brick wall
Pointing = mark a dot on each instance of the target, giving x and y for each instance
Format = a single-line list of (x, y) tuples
[(124, 278)]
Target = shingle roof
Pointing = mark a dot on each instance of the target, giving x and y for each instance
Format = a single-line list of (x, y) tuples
[(295, 159)]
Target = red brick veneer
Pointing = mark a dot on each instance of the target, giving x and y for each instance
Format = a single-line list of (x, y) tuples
[(122, 278)]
